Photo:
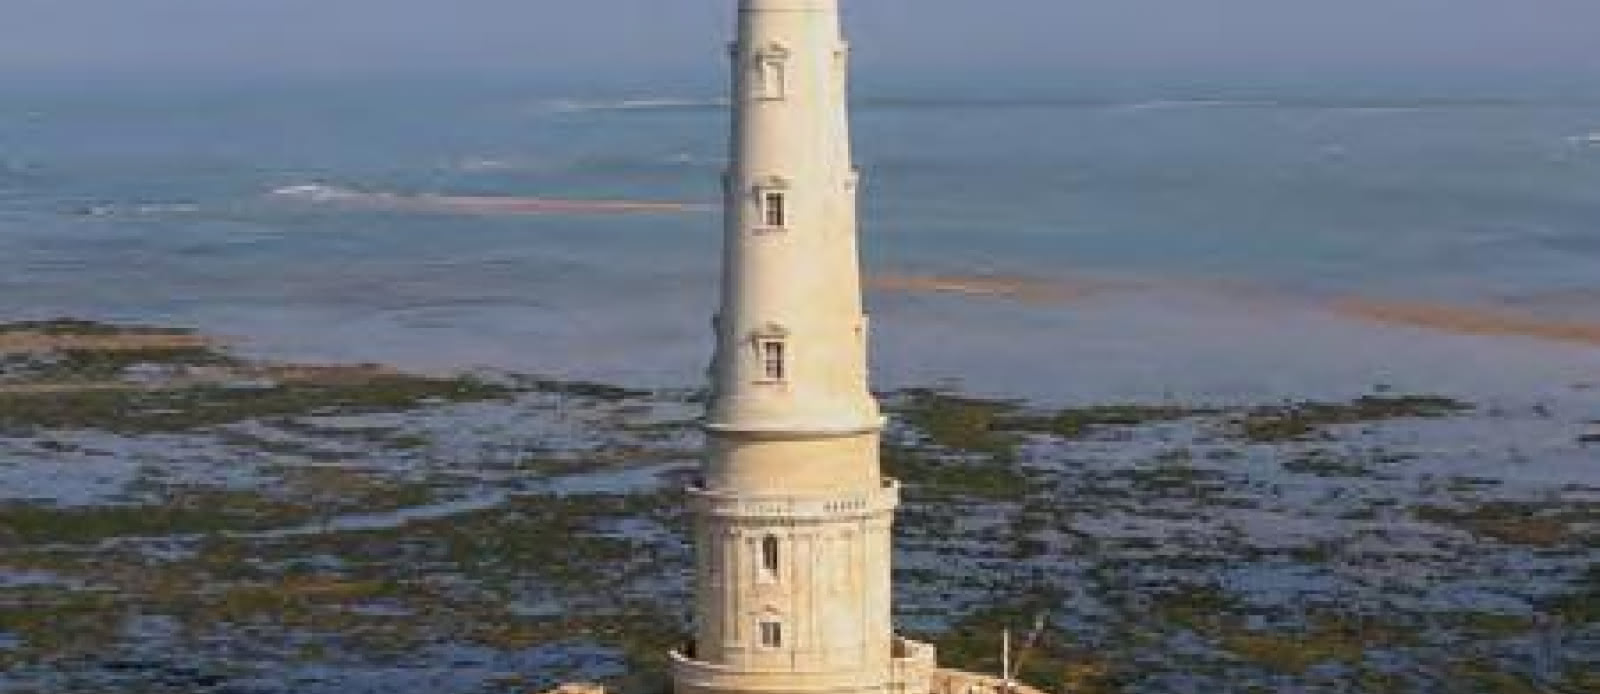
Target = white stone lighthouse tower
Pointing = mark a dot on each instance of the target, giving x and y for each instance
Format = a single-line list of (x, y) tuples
[(793, 517)]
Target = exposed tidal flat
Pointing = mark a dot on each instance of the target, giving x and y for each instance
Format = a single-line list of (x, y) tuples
[(177, 517)]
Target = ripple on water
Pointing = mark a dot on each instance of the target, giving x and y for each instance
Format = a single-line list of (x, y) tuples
[(33, 579)]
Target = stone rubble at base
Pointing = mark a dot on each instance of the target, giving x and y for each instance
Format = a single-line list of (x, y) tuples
[(578, 688)]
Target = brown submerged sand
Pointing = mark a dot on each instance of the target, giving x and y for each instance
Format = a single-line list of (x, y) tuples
[(34, 342), (1469, 320), (1508, 320)]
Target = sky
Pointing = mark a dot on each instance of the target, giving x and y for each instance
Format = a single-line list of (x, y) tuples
[(682, 39)]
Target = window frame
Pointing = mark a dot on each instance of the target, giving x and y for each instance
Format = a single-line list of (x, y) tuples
[(770, 65), (769, 631), (763, 192), (771, 557), (773, 354), (774, 208)]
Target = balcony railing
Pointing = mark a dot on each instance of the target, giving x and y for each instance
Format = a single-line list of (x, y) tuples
[(876, 502)]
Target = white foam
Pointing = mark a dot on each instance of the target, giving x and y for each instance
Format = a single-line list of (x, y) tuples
[(484, 164), (147, 209), (316, 192), (1170, 104), (640, 104), (167, 208)]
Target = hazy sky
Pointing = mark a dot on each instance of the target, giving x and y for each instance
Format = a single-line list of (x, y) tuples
[(682, 38)]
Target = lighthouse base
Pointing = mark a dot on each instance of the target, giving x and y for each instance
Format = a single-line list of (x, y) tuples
[(913, 669), (910, 670)]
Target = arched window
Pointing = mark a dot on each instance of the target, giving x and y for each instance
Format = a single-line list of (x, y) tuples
[(769, 556)]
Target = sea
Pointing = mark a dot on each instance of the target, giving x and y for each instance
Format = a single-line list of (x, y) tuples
[(1061, 239)]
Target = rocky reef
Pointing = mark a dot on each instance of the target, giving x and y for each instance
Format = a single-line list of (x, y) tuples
[(176, 518)]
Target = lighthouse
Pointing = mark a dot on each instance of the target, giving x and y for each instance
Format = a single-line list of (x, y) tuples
[(792, 515)]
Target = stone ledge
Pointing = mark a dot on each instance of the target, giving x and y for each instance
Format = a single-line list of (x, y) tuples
[(797, 429), (689, 675), (829, 507)]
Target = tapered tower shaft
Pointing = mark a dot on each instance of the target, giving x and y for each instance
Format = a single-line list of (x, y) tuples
[(792, 337)]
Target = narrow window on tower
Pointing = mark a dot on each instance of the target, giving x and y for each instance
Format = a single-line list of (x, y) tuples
[(770, 199), (772, 79), (774, 210), (774, 360), (771, 634), (769, 557)]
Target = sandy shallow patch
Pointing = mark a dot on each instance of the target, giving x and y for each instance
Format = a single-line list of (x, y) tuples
[(35, 342), (1468, 320), (1458, 319)]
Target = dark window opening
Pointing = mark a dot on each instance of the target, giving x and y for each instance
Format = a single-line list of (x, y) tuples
[(769, 556), (775, 213), (772, 634), (774, 365)]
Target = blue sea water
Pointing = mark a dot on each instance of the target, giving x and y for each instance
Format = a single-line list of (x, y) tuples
[(1212, 222)]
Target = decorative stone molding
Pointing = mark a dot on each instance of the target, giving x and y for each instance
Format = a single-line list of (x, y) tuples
[(861, 505), (793, 430), (769, 331), (772, 50), (766, 183)]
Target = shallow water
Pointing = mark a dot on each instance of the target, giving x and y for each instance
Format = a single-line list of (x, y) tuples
[(1223, 222)]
